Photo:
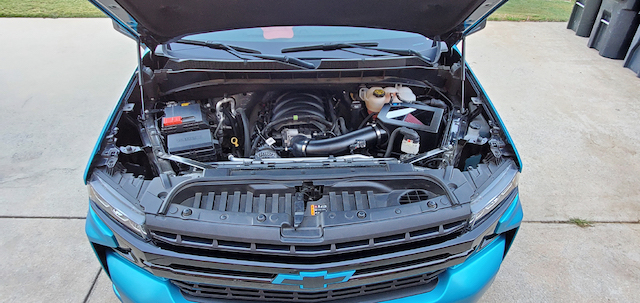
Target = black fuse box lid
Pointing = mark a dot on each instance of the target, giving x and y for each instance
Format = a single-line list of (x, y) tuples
[(189, 141)]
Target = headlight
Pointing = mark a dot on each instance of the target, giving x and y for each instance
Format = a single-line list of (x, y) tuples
[(117, 206), (492, 196)]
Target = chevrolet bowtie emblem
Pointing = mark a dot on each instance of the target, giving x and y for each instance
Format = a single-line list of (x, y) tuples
[(313, 280)]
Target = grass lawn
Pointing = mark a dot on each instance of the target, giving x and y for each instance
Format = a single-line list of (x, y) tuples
[(514, 10), (534, 10), (48, 9)]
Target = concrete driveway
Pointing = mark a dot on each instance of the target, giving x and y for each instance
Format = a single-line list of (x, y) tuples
[(573, 115)]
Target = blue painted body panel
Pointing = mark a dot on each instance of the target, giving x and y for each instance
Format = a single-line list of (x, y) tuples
[(463, 283), (511, 218), (97, 231), (134, 284)]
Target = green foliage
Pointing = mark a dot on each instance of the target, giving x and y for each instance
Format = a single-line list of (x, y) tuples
[(581, 222), (49, 9), (534, 10)]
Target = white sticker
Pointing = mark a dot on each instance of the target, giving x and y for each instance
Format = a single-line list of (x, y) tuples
[(270, 141), (400, 112)]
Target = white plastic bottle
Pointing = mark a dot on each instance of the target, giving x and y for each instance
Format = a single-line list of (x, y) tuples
[(391, 94), (405, 94), (374, 98)]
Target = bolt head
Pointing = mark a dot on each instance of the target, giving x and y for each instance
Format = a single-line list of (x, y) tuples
[(187, 212), (262, 217), (361, 214), (432, 204)]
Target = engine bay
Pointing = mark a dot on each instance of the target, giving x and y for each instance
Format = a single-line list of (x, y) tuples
[(197, 120), (298, 123), (276, 147), (411, 124)]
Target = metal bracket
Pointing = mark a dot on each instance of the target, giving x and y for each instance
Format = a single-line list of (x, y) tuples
[(298, 209), (130, 149), (183, 160)]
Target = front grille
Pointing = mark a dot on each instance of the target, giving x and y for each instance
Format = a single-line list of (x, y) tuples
[(200, 246), (202, 292), (400, 238)]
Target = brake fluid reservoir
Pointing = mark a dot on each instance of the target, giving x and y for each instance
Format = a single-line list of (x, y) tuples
[(374, 98), (405, 94), (391, 94)]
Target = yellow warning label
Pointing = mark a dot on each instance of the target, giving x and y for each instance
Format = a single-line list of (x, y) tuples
[(316, 209), (185, 104)]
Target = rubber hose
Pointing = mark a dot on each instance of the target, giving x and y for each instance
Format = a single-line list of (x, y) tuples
[(405, 131), (247, 134), (362, 124), (302, 146), (343, 126)]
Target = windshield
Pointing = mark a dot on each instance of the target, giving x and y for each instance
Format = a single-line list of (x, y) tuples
[(272, 40)]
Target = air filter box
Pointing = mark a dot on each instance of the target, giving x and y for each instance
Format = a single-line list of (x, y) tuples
[(424, 119)]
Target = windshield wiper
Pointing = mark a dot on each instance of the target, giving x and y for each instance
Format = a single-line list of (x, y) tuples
[(328, 47), (220, 46), (238, 51), (365, 45)]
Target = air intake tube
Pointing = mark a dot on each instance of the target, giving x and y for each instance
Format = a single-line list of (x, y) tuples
[(367, 137)]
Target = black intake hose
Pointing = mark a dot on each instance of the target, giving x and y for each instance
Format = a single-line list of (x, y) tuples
[(302, 146), (246, 134)]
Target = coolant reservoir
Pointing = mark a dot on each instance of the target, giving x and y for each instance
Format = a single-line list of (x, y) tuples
[(374, 98), (405, 94), (391, 94)]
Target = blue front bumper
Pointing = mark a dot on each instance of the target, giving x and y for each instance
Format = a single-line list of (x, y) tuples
[(465, 282)]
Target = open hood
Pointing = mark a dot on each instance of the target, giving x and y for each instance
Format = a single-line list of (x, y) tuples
[(159, 21)]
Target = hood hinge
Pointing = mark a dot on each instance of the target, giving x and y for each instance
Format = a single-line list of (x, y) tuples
[(147, 40), (455, 36)]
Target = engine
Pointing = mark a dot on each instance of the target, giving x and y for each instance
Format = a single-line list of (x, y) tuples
[(372, 121), (294, 115)]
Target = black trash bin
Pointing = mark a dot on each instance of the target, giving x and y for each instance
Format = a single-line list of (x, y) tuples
[(632, 59), (583, 16), (614, 27)]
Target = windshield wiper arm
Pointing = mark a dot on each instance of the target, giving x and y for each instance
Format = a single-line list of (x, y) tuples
[(287, 59), (328, 47), (220, 46), (404, 52), (237, 50), (365, 45)]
